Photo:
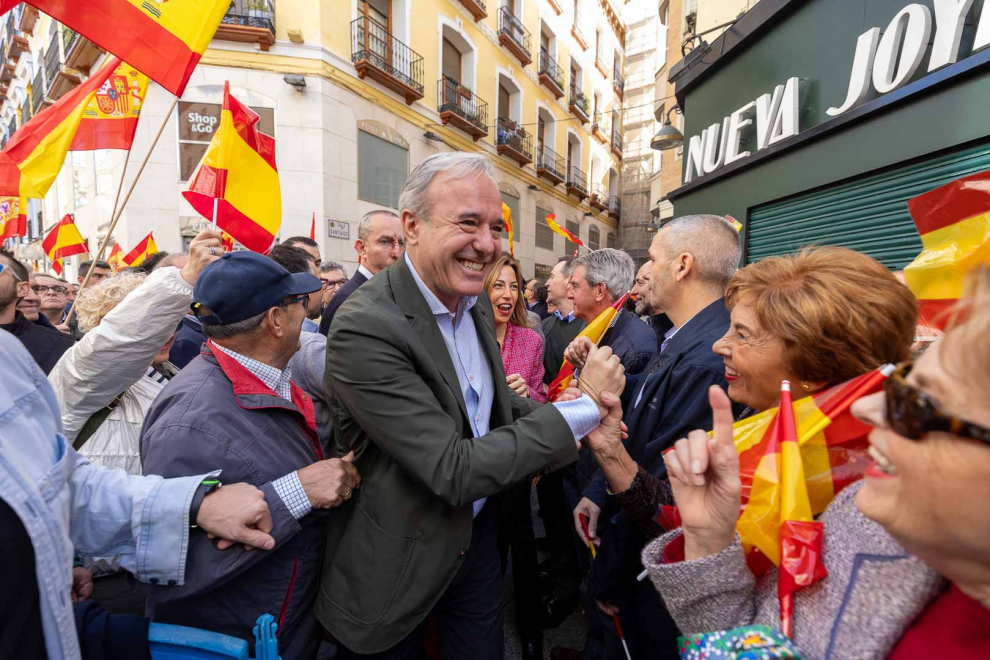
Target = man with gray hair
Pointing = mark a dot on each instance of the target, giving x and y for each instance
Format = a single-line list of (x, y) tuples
[(333, 276), (379, 244), (419, 395), (694, 257)]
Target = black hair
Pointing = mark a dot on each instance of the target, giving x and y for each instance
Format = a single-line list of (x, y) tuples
[(293, 259)]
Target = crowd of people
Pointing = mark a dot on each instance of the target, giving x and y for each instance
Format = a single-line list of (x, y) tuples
[(212, 436)]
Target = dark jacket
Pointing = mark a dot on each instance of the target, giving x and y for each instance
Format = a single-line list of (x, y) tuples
[(45, 344), (398, 405), (540, 309), (188, 342), (216, 413), (557, 334), (674, 402), (350, 286)]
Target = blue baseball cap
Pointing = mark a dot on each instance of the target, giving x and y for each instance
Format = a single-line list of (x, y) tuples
[(242, 284)]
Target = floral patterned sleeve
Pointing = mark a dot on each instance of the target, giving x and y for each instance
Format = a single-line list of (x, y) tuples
[(642, 501)]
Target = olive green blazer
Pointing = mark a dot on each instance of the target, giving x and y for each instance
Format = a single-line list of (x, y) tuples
[(393, 549)]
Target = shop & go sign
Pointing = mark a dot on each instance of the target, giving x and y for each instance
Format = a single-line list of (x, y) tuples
[(885, 59)]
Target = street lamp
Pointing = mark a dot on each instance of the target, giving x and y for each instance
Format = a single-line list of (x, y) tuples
[(667, 137)]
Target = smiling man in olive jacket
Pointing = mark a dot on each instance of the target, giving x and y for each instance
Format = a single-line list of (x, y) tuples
[(418, 392)]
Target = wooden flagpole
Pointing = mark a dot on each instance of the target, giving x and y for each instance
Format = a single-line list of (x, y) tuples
[(117, 211)]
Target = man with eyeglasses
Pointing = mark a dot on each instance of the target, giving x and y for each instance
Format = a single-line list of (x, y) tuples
[(333, 276), (46, 345), (54, 296), (236, 408), (378, 245)]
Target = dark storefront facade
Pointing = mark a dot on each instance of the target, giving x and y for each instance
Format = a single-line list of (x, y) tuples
[(835, 148)]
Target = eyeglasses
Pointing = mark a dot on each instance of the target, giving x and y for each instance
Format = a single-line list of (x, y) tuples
[(42, 289), (5, 268), (304, 299), (912, 413), (332, 284)]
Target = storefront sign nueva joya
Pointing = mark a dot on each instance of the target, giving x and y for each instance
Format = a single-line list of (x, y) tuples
[(885, 60)]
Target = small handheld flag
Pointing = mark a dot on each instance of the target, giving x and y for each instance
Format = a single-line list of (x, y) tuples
[(64, 240), (615, 617), (552, 224), (507, 218), (13, 217), (116, 258), (141, 251), (312, 228)]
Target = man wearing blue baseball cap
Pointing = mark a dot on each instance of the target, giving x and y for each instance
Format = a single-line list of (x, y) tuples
[(236, 408)]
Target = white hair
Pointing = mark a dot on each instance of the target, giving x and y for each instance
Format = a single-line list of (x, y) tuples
[(711, 240), (613, 267), (364, 227), (460, 165)]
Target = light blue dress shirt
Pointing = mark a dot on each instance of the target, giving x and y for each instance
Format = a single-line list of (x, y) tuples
[(474, 373)]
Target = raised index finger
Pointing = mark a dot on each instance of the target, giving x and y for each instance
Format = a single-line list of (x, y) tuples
[(722, 432)]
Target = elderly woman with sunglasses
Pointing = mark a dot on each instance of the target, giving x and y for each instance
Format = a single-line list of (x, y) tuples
[(907, 548)]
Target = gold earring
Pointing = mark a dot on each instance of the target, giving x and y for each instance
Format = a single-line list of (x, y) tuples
[(806, 387)]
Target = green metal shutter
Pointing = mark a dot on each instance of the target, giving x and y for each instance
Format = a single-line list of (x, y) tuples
[(868, 214)]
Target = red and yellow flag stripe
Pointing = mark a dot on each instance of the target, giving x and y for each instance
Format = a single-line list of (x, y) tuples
[(954, 224), (144, 249), (111, 118), (595, 331), (116, 258), (164, 39), (35, 153), (507, 218), (552, 224), (13, 217), (64, 240), (238, 170)]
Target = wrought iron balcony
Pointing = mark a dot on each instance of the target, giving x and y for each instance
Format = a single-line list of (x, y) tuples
[(549, 165), (616, 141), (513, 141), (599, 129), (614, 206), (599, 197), (249, 21), (462, 108), (378, 55), (514, 36), (28, 19), (577, 182), (618, 84), (7, 72), (477, 8), (78, 52), (25, 112), (551, 75), (576, 31), (38, 101), (579, 104), (600, 62), (58, 80), (17, 43)]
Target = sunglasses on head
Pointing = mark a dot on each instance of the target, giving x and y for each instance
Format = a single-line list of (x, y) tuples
[(912, 413), (4, 268)]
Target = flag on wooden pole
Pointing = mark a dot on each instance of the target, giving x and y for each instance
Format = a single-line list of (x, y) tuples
[(595, 331), (161, 38), (116, 258), (64, 240), (552, 223), (238, 170), (141, 251), (507, 218), (34, 155), (111, 118), (13, 217)]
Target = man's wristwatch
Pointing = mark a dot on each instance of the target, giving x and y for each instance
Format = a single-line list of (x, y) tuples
[(204, 489)]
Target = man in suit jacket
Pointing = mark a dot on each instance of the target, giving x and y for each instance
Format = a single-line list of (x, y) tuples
[(693, 259), (379, 244), (418, 391)]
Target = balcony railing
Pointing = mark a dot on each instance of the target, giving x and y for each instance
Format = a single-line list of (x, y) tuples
[(600, 62), (599, 129), (58, 80), (616, 141), (577, 182), (461, 107), (576, 31), (69, 39), (551, 75), (579, 104), (513, 35), (599, 196), (38, 91), (617, 82), (16, 42), (78, 52), (386, 60), (249, 21), (614, 206), (512, 140), (549, 165), (25, 112), (29, 18)]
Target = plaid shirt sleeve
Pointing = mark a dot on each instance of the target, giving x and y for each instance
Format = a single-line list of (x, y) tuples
[(291, 490)]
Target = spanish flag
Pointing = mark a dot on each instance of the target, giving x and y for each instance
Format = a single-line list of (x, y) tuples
[(64, 240), (552, 223), (164, 39), (13, 217), (954, 224), (238, 171), (34, 155), (507, 218), (595, 331), (116, 258), (110, 120), (141, 251)]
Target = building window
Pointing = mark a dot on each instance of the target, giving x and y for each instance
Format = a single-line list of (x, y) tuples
[(569, 247), (451, 61), (610, 240), (198, 122), (513, 203), (594, 238), (542, 272), (382, 170), (544, 235)]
